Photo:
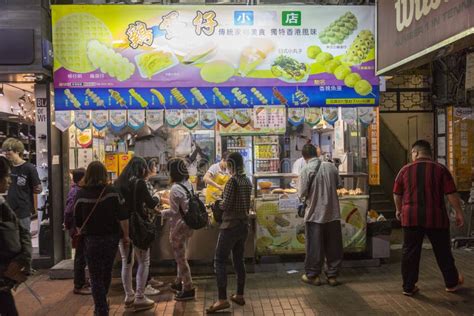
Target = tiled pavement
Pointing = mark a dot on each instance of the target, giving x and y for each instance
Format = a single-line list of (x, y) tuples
[(272, 291)]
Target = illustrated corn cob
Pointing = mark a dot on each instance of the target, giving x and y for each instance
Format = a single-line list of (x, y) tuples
[(339, 30), (138, 97), (159, 96), (71, 97)]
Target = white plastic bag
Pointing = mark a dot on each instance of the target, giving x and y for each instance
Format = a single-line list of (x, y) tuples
[(185, 147)]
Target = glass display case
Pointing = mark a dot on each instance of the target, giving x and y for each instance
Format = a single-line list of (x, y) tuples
[(280, 231), (354, 206)]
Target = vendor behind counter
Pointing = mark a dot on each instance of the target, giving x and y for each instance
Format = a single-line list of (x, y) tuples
[(216, 178)]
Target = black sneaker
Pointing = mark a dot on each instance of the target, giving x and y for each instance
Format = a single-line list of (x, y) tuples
[(177, 287), (185, 295)]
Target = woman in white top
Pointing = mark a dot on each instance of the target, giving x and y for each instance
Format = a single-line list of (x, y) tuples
[(179, 231)]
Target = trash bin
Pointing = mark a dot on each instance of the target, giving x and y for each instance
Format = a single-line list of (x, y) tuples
[(378, 234)]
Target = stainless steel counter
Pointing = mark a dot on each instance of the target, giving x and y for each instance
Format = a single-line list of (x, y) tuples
[(201, 245)]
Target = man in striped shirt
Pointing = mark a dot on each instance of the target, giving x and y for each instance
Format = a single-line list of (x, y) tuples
[(419, 192)]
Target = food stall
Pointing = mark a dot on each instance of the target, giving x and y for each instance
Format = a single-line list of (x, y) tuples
[(193, 81)]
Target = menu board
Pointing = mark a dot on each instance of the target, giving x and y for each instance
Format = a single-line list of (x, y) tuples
[(199, 57), (259, 120)]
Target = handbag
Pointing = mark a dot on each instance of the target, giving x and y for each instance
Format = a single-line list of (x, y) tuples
[(77, 237), (142, 232), (302, 206), (217, 211)]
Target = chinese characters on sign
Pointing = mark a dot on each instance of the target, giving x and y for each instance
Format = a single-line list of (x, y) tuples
[(138, 35), (291, 18), (267, 117), (205, 22), (374, 151), (170, 24)]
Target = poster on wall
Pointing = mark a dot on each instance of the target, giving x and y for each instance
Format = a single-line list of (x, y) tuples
[(62, 120), (136, 119), (313, 116), (118, 120), (208, 118), (84, 157), (199, 57), (278, 232), (155, 119), (84, 137), (374, 150), (349, 115), (100, 119), (190, 118), (354, 223), (82, 119), (296, 116)]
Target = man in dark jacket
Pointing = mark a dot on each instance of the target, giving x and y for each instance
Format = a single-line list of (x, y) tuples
[(15, 247)]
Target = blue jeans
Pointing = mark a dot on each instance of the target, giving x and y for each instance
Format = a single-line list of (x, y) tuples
[(230, 240), (25, 222), (100, 254)]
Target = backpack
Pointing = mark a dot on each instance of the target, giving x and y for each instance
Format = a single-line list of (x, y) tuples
[(196, 217), (142, 232)]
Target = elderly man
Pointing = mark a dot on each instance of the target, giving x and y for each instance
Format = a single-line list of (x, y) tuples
[(318, 185)]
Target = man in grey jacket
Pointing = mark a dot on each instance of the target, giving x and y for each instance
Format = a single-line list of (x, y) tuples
[(318, 184)]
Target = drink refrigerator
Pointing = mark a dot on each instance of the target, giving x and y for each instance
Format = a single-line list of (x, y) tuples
[(242, 145), (267, 154)]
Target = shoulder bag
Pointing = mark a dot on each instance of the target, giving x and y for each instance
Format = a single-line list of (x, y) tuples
[(77, 237)]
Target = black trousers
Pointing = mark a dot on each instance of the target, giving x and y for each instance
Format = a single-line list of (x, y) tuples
[(412, 244), (100, 254), (80, 265), (7, 304), (231, 240)]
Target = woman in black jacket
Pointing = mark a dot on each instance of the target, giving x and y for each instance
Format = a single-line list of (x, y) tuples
[(133, 187), (15, 247), (98, 211), (233, 232)]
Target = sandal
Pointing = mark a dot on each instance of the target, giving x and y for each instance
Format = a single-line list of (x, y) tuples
[(237, 300), (215, 308)]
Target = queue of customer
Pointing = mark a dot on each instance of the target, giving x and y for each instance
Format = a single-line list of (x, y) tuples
[(103, 218)]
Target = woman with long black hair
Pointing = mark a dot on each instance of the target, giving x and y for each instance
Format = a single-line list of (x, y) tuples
[(101, 221), (133, 187)]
